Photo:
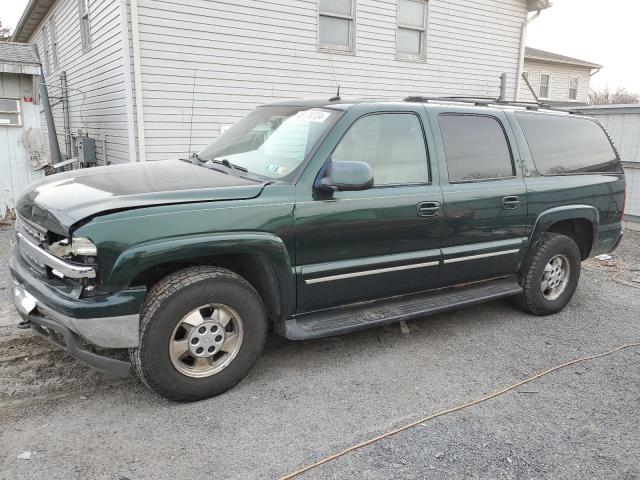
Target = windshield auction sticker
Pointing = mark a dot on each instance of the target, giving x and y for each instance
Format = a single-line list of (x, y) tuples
[(312, 116)]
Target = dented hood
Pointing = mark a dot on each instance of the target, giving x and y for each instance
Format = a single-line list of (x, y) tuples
[(60, 200)]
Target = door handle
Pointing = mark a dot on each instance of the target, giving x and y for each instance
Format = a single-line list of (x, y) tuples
[(428, 209), (511, 203)]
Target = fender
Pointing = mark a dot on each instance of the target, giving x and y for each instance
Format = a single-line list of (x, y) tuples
[(270, 249), (566, 212)]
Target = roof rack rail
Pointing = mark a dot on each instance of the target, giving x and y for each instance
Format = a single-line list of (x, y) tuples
[(486, 101)]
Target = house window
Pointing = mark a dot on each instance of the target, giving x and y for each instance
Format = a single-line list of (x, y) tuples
[(574, 85), (412, 26), (10, 112), (85, 32), (54, 42), (336, 25), (545, 84), (45, 48)]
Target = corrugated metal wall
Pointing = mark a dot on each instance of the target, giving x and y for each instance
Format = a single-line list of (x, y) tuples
[(257, 51), (623, 124)]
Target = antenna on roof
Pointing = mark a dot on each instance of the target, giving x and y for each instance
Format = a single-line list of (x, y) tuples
[(193, 99), (337, 97)]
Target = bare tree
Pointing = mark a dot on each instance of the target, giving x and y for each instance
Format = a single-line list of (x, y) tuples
[(5, 33), (606, 96)]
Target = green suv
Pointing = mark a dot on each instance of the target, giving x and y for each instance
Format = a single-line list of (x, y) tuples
[(313, 218)]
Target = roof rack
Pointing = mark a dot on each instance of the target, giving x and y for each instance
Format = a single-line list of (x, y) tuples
[(486, 101)]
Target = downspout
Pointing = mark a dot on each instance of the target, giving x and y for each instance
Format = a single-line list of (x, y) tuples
[(128, 82), (137, 77), (523, 39)]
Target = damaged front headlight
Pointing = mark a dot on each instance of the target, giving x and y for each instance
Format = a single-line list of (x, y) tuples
[(78, 247)]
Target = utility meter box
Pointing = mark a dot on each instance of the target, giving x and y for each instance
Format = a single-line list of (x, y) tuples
[(87, 150)]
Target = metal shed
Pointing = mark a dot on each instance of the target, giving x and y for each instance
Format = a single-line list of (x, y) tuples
[(19, 71), (623, 124)]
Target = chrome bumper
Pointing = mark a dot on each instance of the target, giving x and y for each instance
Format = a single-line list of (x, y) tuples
[(106, 332), (42, 258)]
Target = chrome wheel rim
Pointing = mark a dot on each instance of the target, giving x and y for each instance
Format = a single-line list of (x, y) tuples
[(206, 340), (555, 277)]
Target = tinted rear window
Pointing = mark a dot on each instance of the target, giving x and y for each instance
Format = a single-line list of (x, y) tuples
[(568, 145), (476, 148)]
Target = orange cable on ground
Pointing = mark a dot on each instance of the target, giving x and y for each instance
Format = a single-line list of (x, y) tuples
[(452, 410)]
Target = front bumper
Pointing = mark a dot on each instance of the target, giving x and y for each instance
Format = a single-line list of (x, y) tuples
[(70, 322)]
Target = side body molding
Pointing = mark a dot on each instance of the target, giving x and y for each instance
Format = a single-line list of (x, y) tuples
[(268, 250), (566, 212)]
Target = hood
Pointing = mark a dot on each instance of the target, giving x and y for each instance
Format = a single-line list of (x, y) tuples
[(60, 200)]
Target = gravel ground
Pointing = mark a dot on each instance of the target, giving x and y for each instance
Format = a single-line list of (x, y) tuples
[(307, 400)]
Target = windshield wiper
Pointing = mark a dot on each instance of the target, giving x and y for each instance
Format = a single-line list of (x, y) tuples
[(227, 164)]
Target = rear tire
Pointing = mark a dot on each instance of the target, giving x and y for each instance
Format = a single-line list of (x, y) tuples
[(201, 331), (550, 275)]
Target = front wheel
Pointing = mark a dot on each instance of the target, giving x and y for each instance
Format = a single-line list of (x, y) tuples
[(550, 275), (201, 331)]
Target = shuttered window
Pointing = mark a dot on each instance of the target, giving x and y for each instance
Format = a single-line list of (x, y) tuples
[(412, 28), (10, 112), (545, 85), (574, 85), (336, 25), (54, 42), (85, 31)]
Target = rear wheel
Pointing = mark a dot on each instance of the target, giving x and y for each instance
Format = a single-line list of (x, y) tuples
[(550, 275), (201, 330)]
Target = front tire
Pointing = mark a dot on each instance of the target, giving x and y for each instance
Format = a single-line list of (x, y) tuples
[(550, 275), (201, 331)]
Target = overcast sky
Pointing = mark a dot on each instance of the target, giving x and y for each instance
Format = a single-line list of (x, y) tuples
[(604, 32)]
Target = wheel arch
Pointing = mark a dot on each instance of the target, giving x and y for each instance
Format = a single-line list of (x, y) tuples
[(578, 222), (261, 259)]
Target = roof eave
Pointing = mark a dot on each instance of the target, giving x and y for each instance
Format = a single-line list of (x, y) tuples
[(33, 14), (593, 66), (537, 5)]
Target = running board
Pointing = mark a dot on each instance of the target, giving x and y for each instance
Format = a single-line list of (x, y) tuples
[(352, 318)]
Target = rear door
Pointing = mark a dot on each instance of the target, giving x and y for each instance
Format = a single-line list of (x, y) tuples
[(485, 200)]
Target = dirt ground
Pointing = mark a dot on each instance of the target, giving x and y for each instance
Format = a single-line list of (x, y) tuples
[(306, 400)]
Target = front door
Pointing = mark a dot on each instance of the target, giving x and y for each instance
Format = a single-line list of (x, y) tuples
[(485, 200), (355, 246)]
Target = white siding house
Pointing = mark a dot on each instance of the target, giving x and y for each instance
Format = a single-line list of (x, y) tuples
[(180, 70), (555, 78)]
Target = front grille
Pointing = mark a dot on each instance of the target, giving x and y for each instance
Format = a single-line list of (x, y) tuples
[(35, 232)]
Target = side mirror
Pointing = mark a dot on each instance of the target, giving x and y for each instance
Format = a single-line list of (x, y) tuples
[(343, 176)]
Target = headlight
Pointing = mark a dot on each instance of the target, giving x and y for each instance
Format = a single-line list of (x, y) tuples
[(83, 247)]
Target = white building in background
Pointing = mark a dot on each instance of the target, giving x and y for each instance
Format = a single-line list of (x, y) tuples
[(19, 70), (555, 78), (135, 68)]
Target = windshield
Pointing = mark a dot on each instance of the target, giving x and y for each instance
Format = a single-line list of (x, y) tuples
[(271, 141)]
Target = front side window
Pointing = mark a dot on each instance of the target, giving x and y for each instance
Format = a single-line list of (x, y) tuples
[(393, 144), (272, 142), (574, 85), (545, 85), (336, 25), (10, 112), (476, 148), (563, 145), (85, 32), (412, 27)]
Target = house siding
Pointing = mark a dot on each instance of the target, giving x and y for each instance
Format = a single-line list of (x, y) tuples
[(560, 75), (96, 78), (254, 52)]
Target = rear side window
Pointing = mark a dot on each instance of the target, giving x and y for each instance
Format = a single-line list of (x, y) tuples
[(561, 145), (476, 148)]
